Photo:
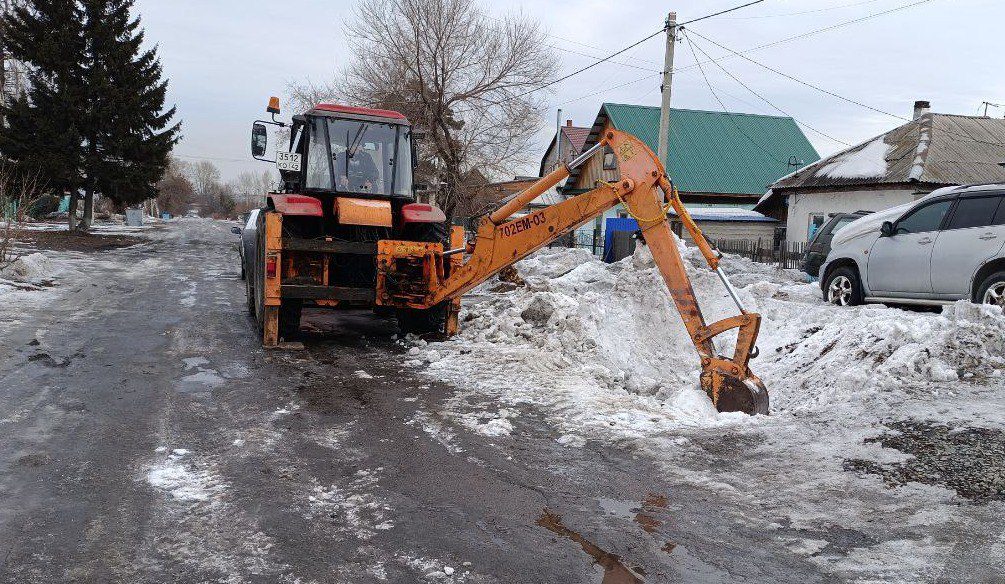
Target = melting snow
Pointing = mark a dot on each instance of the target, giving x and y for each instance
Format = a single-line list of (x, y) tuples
[(866, 162), (600, 350)]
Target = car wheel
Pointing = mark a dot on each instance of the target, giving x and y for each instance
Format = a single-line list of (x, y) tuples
[(993, 290), (249, 290), (843, 288)]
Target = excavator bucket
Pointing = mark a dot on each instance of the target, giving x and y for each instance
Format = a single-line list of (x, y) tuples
[(730, 393)]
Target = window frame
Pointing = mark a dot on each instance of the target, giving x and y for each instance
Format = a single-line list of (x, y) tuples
[(948, 226), (613, 165), (952, 204)]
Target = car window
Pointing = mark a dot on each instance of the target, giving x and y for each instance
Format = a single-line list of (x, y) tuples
[(842, 223), (927, 218), (1000, 215), (974, 212), (252, 217)]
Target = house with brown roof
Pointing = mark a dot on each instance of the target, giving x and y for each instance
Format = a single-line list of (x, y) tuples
[(566, 145), (929, 152)]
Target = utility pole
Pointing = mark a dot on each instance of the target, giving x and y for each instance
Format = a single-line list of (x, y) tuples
[(664, 144), (558, 139)]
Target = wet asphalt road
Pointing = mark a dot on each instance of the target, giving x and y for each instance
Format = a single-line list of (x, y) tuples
[(146, 437)]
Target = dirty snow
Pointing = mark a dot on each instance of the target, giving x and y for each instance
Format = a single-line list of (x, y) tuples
[(181, 480), (600, 350), (29, 268), (866, 162)]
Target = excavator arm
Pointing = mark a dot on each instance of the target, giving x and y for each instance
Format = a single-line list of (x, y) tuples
[(647, 193)]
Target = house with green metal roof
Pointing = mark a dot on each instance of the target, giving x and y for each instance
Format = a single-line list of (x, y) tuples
[(720, 162), (714, 158)]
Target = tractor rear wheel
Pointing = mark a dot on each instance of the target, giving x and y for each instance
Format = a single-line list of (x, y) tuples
[(289, 318)]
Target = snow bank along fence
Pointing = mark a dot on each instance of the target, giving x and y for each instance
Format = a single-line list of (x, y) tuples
[(617, 241), (787, 254)]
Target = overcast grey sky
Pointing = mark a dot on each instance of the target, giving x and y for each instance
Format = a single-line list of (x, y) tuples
[(224, 58)]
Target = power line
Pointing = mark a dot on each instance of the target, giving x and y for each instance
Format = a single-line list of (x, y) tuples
[(797, 80), (824, 29), (835, 95), (725, 110), (612, 88), (612, 55), (802, 12), (762, 98), (721, 12)]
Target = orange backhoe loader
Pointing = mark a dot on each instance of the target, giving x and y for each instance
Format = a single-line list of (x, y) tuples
[(338, 239)]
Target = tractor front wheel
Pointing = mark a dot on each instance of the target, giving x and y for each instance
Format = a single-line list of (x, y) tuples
[(422, 321)]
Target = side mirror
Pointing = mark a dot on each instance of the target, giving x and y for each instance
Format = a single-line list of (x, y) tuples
[(887, 229), (235, 230), (420, 188), (259, 140), (418, 135)]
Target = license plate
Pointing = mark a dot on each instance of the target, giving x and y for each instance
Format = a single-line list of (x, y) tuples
[(288, 161)]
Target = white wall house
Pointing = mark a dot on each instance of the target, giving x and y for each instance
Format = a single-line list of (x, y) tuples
[(929, 152)]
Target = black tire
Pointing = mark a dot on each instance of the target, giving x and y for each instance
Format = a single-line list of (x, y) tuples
[(259, 274), (843, 287), (249, 292), (422, 322), (289, 318), (431, 232), (992, 290), (432, 320)]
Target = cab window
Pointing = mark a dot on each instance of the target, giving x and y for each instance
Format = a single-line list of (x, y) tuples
[(927, 218)]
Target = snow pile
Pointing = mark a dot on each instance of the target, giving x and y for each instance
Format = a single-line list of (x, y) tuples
[(601, 345), (814, 359), (603, 348), (29, 268), (866, 162)]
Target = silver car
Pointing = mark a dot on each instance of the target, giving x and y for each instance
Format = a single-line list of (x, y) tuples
[(945, 247)]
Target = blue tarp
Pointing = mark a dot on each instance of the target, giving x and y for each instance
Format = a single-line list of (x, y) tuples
[(611, 225)]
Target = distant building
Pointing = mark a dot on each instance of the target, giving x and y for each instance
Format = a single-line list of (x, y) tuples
[(572, 140), (929, 152), (717, 161)]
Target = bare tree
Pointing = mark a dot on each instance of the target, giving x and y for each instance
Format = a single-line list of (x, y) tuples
[(251, 187), (206, 179), (175, 191), (19, 194), (466, 79)]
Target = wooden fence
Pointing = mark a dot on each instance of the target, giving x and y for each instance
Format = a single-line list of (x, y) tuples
[(787, 254)]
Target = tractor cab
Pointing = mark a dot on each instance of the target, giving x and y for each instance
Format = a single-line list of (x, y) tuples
[(342, 150)]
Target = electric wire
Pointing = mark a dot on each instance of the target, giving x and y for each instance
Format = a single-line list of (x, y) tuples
[(725, 110), (764, 99), (720, 13), (833, 94), (802, 12), (824, 29)]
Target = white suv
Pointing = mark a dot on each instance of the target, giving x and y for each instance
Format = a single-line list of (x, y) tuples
[(942, 248)]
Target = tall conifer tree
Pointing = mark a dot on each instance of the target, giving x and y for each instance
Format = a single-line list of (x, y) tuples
[(93, 117), (130, 134), (44, 126)]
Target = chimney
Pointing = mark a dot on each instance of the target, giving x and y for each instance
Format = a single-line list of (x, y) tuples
[(921, 108), (568, 123)]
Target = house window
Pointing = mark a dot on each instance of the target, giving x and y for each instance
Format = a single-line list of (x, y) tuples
[(816, 222), (610, 163)]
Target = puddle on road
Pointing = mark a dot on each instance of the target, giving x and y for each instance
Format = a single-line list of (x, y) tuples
[(635, 512), (614, 571)]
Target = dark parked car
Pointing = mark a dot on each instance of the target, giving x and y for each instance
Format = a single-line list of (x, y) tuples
[(246, 247), (820, 246)]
